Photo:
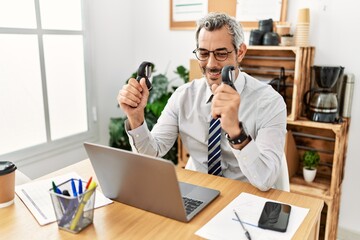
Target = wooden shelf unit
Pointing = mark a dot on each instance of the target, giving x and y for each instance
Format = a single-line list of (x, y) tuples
[(329, 139), (265, 62)]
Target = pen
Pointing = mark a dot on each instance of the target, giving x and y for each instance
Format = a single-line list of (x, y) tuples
[(70, 208), (55, 188), (88, 183), (66, 193), (73, 187), (247, 234), (80, 209), (80, 187), (69, 212)]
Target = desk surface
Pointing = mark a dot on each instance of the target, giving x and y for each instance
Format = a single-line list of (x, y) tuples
[(119, 221)]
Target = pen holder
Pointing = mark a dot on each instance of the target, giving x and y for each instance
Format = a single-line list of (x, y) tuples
[(73, 213)]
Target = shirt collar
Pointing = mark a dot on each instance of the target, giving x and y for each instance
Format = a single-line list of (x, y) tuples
[(208, 93), (240, 82), (239, 85)]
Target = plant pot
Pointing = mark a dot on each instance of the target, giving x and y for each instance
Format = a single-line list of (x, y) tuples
[(309, 174), (286, 41)]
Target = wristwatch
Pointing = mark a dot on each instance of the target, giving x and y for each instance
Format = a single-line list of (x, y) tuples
[(239, 139)]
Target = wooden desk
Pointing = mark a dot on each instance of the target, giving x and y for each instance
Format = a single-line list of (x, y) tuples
[(119, 221)]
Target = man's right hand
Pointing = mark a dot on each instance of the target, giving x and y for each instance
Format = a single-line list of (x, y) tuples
[(132, 99)]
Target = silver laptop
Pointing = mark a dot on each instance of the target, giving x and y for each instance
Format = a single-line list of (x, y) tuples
[(148, 183)]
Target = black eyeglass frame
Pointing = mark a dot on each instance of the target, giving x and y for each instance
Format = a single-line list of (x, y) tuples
[(213, 52)]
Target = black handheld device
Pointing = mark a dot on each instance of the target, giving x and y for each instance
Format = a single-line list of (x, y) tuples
[(144, 71), (275, 216), (228, 75)]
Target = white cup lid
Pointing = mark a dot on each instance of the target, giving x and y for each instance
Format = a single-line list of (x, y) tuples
[(6, 204)]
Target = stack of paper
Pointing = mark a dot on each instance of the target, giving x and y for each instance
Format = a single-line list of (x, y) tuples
[(226, 226), (36, 197)]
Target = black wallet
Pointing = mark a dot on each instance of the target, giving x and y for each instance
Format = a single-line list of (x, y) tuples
[(275, 216)]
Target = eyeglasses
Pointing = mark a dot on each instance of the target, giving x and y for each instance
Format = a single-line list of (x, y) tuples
[(219, 54)]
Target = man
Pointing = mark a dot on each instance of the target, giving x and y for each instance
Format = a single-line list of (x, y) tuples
[(252, 117)]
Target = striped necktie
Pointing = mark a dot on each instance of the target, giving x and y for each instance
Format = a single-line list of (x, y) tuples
[(214, 150)]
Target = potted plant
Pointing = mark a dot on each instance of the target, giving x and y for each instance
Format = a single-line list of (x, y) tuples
[(158, 98), (311, 160)]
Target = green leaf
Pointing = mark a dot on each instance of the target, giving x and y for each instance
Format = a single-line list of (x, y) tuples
[(158, 105), (159, 96), (183, 73), (160, 85), (118, 136), (311, 159)]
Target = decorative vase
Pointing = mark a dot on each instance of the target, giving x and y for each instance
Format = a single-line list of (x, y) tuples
[(309, 174)]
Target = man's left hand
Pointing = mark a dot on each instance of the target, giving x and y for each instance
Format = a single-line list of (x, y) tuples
[(225, 104)]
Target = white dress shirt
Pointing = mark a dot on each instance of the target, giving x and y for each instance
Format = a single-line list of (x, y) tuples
[(262, 112)]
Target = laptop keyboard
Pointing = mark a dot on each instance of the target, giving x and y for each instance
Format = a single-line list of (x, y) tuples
[(191, 204)]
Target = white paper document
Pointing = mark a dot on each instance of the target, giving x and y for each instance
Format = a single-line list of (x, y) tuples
[(249, 10), (249, 207), (35, 195), (189, 10)]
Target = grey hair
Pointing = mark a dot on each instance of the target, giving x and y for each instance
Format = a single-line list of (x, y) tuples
[(214, 21)]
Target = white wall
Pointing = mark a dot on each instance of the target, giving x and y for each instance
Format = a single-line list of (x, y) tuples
[(167, 49), (112, 38)]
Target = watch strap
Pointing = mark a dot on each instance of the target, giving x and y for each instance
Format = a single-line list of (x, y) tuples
[(239, 139)]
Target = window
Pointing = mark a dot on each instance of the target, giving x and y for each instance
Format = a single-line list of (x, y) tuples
[(44, 89)]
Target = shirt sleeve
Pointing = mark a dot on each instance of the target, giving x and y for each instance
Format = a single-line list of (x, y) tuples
[(141, 140), (163, 135), (260, 160)]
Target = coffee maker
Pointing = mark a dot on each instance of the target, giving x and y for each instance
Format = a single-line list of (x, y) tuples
[(322, 100)]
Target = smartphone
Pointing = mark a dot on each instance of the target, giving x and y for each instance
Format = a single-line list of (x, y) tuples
[(275, 216)]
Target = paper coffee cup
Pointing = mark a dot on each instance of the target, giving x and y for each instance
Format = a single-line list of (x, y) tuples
[(303, 15), (7, 183)]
